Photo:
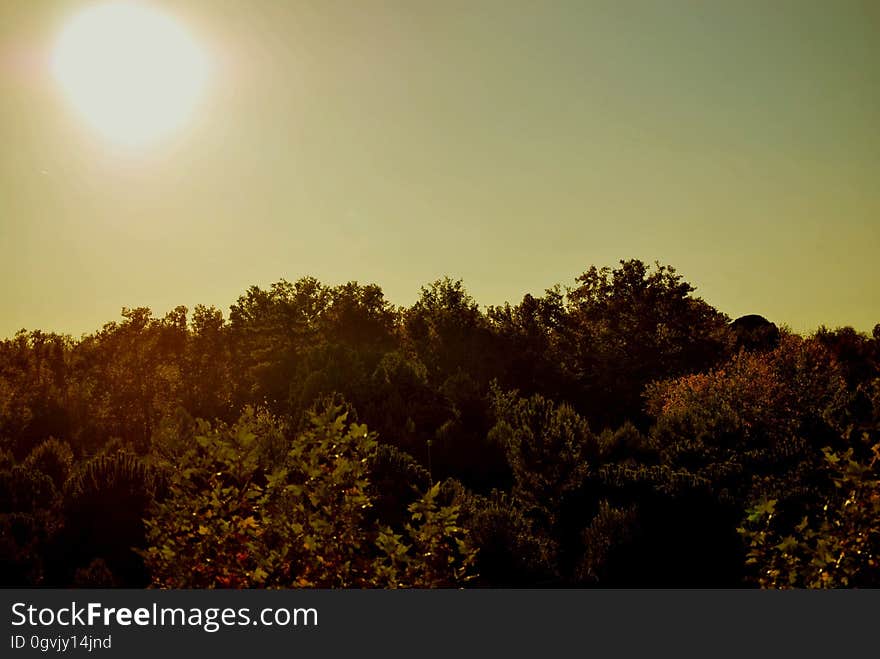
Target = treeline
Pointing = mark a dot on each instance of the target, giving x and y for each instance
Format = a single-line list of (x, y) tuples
[(617, 432)]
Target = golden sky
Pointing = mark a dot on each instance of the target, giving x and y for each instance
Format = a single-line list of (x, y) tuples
[(512, 144)]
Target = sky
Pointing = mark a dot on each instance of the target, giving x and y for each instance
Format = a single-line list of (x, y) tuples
[(510, 144)]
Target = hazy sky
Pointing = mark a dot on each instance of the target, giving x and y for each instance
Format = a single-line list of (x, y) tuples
[(511, 144)]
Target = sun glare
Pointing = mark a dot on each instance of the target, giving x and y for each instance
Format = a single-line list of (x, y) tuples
[(131, 71)]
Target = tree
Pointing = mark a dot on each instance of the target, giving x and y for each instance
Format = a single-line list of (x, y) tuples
[(126, 377), (249, 505), (34, 384), (208, 372), (754, 426), (269, 329), (836, 544), (552, 453), (632, 325), (529, 343), (448, 333)]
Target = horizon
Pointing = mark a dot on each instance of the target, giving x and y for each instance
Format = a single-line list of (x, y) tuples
[(158, 313)]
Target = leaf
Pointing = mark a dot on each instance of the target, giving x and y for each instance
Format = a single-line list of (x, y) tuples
[(789, 544)]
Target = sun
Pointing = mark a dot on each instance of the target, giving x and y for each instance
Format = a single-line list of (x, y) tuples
[(130, 70)]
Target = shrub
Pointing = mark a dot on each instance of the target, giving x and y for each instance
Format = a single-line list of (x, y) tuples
[(232, 518), (835, 545)]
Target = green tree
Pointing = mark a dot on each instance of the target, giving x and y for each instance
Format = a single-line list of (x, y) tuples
[(250, 505), (552, 454), (631, 325), (447, 332), (836, 544), (529, 340)]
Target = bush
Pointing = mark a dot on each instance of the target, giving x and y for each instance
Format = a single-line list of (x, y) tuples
[(235, 519), (835, 545)]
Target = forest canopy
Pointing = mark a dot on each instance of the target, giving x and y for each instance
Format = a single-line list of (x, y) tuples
[(619, 431)]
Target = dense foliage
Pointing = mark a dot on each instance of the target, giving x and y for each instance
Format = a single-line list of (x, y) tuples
[(620, 431)]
